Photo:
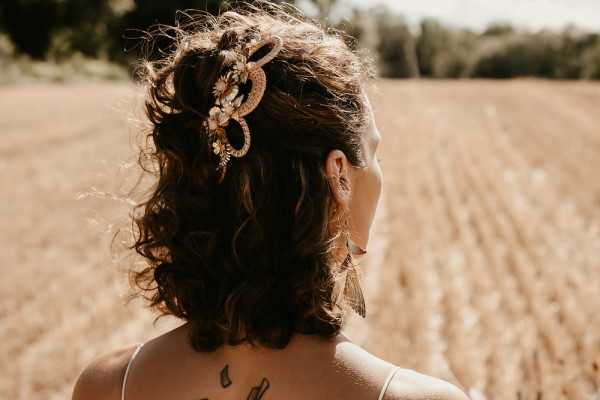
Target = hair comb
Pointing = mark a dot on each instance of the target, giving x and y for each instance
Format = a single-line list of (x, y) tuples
[(231, 105)]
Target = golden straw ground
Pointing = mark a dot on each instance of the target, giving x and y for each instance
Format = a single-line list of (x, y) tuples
[(485, 261)]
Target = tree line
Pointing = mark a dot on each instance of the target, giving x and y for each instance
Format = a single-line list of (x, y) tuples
[(499, 51), (111, 30)]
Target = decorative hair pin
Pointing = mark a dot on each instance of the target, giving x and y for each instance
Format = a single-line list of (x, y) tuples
[(229, 103)]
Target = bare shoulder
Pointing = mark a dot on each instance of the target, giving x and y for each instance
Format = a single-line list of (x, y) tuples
[(101, 378), (411, 385)]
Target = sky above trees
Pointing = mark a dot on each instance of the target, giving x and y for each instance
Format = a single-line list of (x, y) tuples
[(477, 14)]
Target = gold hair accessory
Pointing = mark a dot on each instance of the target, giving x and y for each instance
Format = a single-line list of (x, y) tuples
[(229, 103)]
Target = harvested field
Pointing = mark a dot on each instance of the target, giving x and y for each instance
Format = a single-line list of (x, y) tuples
[(484, 265)]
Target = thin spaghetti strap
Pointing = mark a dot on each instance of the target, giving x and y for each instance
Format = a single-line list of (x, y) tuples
[(127, 369), (387, 382)]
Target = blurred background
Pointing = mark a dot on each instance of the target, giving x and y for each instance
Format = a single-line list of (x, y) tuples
[(484, 261), (451, 39)]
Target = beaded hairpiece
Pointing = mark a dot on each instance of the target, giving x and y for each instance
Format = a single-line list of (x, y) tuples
[(229, 104)]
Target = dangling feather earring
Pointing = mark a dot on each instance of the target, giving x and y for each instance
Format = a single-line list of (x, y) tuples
[(352, 289)]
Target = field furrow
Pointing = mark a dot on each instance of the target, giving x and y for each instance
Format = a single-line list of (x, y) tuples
[(483, 265), (530, 266)]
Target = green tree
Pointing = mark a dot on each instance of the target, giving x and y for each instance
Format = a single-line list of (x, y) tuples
[(84, 27), (90, 27), (520, 55), (574, 53), (30, 24), (145, 14), (498, 29), (443, 52), (432, 40), (395, 45), (591, 62)]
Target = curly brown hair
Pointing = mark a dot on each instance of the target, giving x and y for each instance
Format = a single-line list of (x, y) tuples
[(249, 259)]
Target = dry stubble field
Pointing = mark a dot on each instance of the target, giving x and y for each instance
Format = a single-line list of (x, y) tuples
[(484, 267)]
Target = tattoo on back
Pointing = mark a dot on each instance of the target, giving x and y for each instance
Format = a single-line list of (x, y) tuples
[(256, 393), (225, 380)]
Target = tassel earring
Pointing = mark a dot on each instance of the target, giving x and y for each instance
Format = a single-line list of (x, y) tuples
[(352, 289)]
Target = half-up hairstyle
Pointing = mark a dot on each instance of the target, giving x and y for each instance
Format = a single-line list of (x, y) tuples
[(250, 258)]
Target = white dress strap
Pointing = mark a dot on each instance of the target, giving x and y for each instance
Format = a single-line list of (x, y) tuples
[(127, 369), (387, 382)]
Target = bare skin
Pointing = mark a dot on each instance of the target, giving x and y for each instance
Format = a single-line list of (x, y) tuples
[(310, 367), (357, 190)]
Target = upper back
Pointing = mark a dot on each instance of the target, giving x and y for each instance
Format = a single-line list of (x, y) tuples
[(159, 370)]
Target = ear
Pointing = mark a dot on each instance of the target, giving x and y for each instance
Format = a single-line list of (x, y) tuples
[(337, 169)]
